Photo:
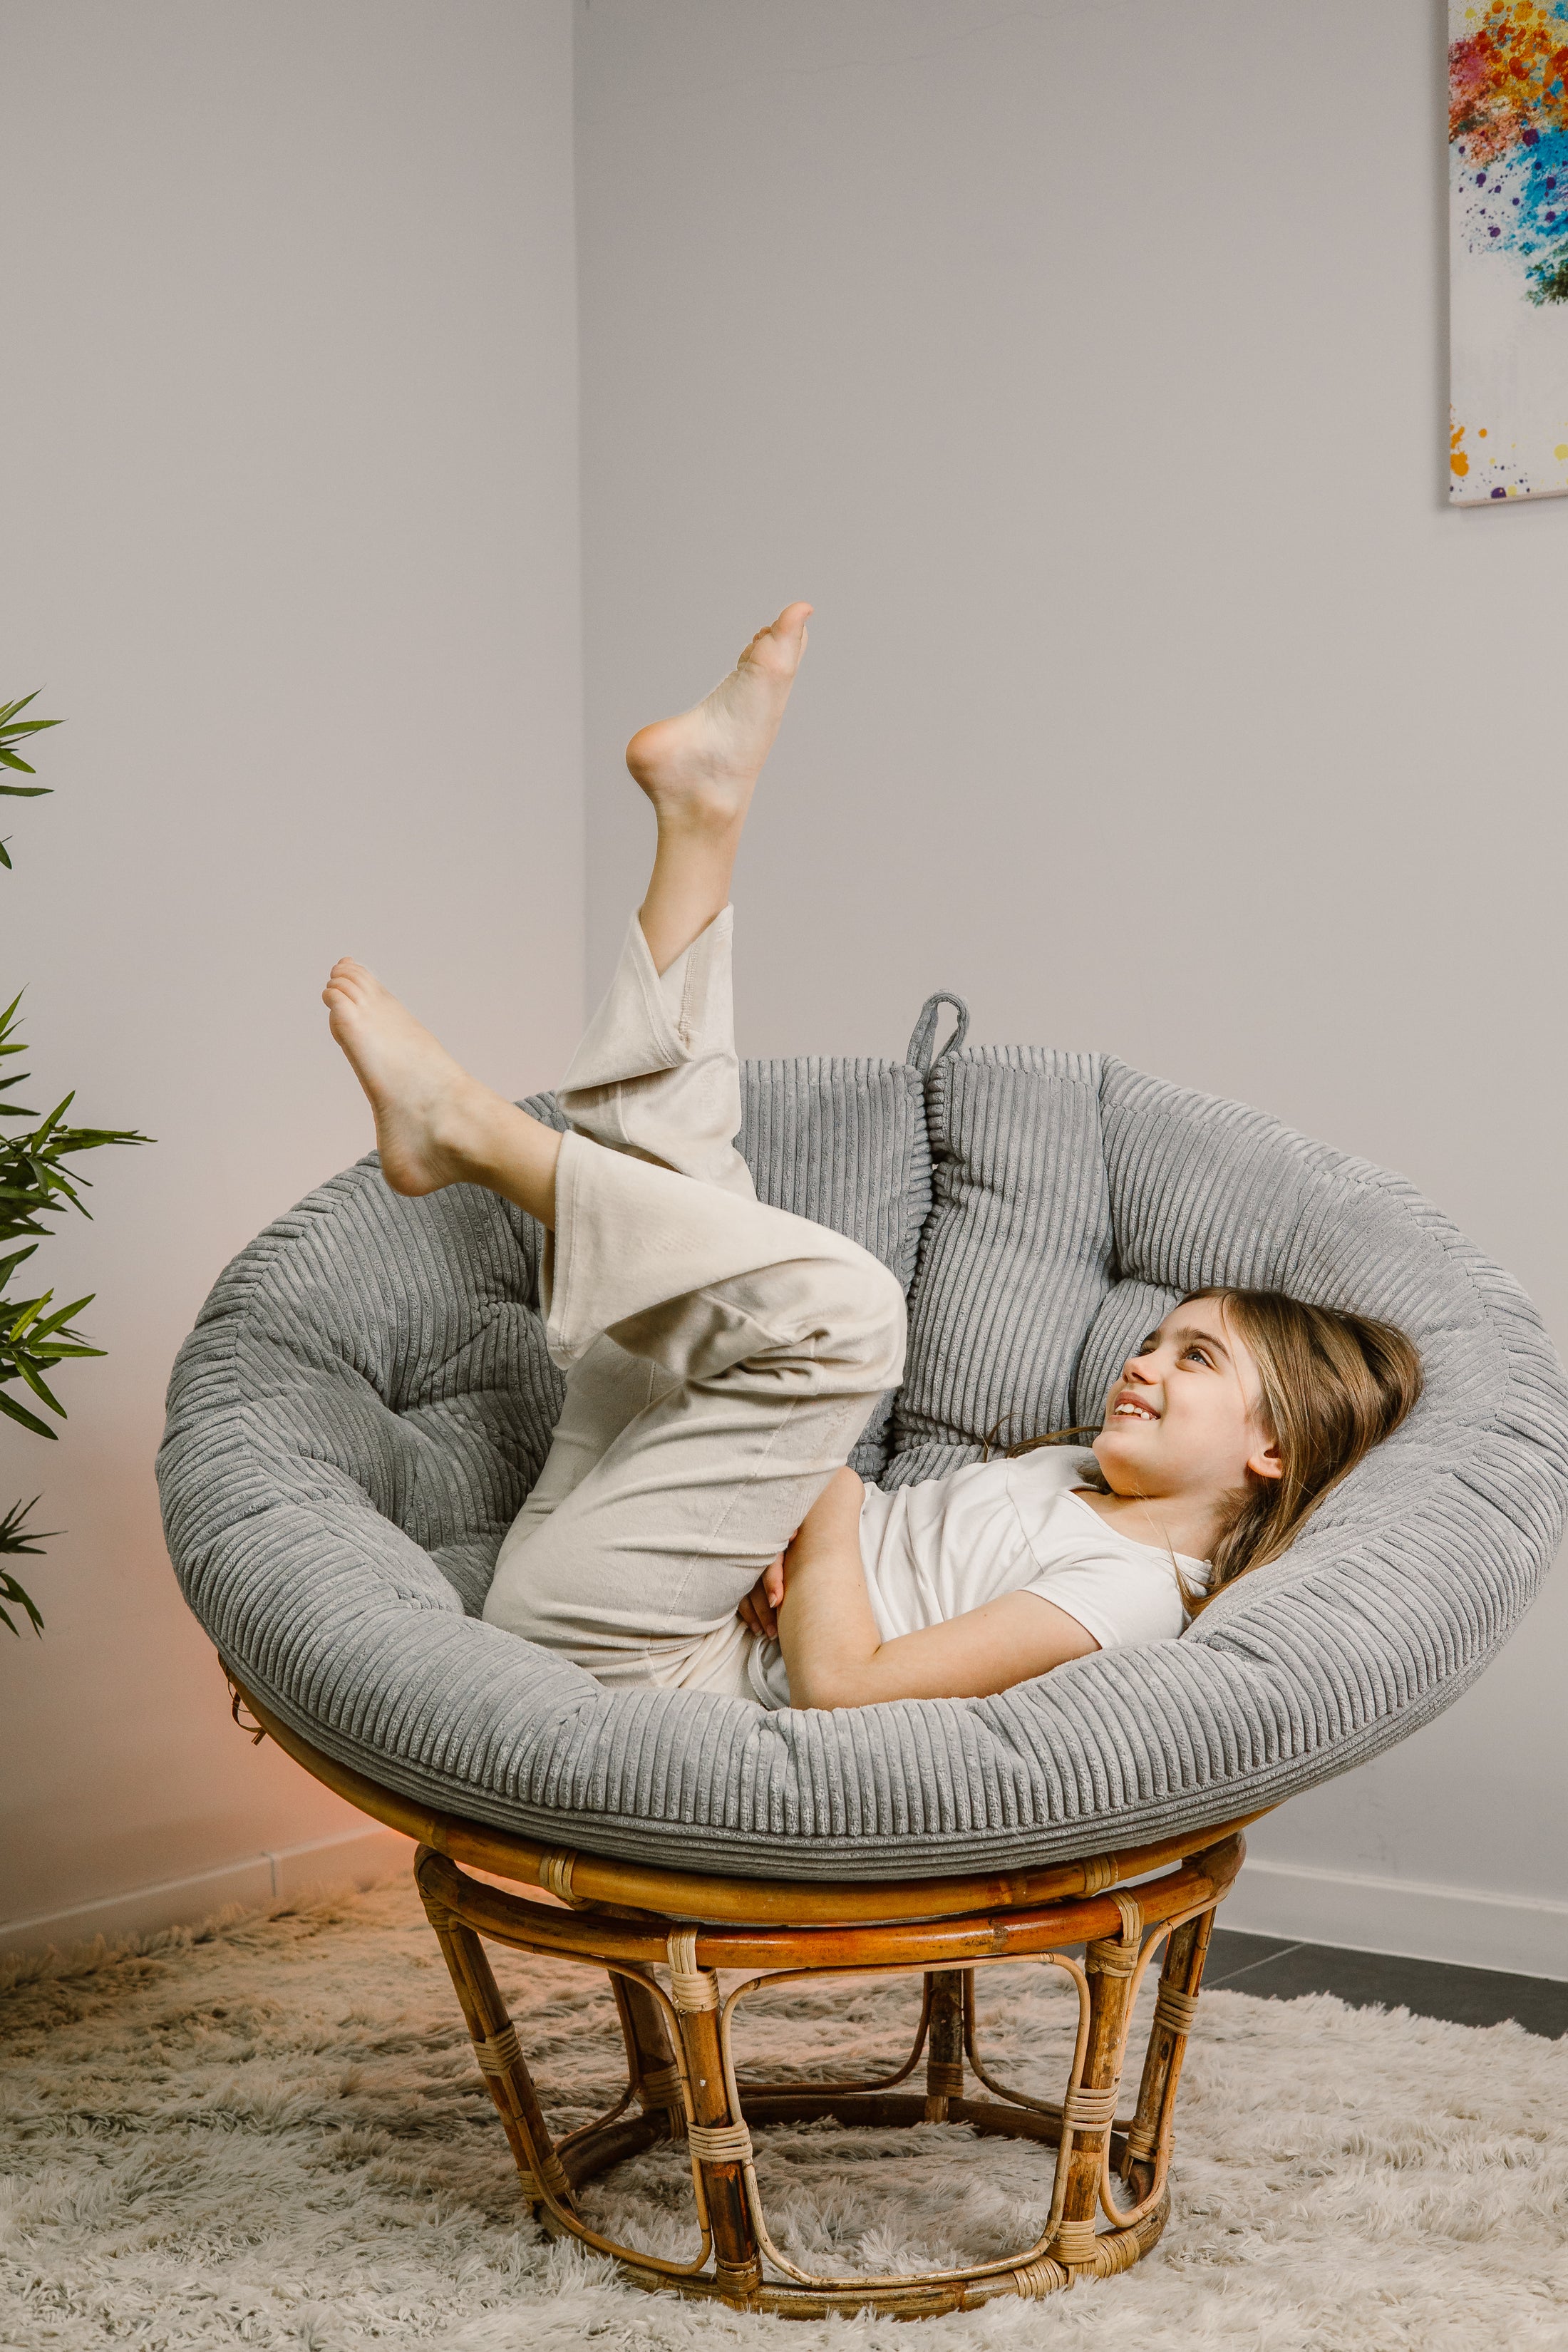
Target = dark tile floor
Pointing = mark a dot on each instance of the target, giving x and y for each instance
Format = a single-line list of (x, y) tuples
[(1273, 1966)]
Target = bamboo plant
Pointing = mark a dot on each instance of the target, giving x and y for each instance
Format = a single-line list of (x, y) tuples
[(35, 1186)]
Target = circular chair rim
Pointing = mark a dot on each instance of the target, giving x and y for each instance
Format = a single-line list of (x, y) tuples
[(577, 1875)]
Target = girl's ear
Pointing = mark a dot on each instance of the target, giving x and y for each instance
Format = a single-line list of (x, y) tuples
[(1266, 1462)]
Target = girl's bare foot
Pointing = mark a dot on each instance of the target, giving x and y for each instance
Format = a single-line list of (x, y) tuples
[(426, 1107), (700, 767)]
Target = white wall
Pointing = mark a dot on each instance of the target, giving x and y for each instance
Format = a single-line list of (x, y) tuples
[(1085, 365), (289, 476)]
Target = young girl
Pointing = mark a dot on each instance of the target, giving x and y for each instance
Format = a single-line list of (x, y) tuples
[(695, 1523)]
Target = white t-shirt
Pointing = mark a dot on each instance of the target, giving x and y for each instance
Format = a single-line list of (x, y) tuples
[(934, 1552)]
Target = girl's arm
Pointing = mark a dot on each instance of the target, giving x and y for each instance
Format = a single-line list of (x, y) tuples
[(835, 1657)]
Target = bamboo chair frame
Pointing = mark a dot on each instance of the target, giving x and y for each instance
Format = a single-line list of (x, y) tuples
[(663, 1937)]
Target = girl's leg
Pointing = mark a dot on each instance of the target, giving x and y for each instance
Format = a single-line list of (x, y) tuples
[(761, 1381), (699, 772), (730, 1354), (656, 1074), (434, 1125), (752, 1346), (698, 1430)]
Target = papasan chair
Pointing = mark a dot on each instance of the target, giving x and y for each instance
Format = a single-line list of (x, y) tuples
[(366, 1399)]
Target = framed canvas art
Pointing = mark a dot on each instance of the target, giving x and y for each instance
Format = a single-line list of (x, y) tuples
[(1507, 180)]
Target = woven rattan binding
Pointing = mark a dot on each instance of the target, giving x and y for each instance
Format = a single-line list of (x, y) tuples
[(1041, 2277), (661, 2087), (720, 2143), (498, 2052), (555, 1873), (1118, 1956), (1176, 2009), (1089, 2111), (1075, 2244), (691, 1988)]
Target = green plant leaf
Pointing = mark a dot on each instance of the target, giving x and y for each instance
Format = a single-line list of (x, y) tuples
[(14, 1592), (35, 1187), (62, 1316), (17, 1538), (16, 1411), (15, 731), (39, 1387)]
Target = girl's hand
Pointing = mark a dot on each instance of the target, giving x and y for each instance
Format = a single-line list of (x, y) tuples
[(759, 1611)]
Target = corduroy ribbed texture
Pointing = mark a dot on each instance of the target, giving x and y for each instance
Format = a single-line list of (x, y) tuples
[(843, 1142), (1015, 1260), (367, 1398)]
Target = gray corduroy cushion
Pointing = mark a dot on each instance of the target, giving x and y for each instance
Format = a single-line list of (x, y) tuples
[(366, 1398)]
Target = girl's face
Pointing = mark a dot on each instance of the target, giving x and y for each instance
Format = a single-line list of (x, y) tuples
[(1183, 1415)]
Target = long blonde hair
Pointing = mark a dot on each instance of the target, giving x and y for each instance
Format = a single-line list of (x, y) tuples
[(1334, 1385)]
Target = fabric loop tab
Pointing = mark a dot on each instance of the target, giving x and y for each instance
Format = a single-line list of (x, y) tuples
[(720, 2143), (923, 1036)]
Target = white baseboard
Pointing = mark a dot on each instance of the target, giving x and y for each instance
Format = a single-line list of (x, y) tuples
[(352, 1855), (1519, 1933)]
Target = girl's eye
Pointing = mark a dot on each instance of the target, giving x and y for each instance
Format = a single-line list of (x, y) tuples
[(1201, 1353)]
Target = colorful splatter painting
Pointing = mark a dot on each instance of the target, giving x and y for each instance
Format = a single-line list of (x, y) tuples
[(1508, 156)]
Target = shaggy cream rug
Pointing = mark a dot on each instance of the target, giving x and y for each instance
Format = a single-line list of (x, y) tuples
[(269, 2132)]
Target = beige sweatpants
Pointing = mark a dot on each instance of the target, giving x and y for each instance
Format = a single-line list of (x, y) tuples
[(721, 1357)]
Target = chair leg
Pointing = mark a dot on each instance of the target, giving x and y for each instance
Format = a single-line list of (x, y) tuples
[(1090, 2108), (720, 2143), (1174, 2005), (654, 2076), (497, 2049), (945, 2049)]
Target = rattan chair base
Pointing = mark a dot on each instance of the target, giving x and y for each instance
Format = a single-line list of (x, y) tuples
[(663, 1937), (605, 2145)]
